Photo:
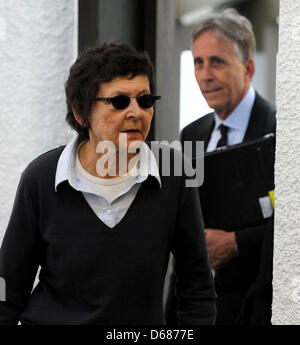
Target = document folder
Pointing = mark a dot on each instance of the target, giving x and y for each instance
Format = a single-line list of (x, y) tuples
[(237, 183)]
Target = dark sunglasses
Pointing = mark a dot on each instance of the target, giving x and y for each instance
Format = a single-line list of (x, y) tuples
[(122, 101)]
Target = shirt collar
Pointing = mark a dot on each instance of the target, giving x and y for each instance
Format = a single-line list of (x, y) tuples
[(65, 170), (66, 163), (240, 116), (148, 164)]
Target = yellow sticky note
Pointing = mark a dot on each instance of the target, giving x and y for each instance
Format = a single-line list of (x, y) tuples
[(272, 197)]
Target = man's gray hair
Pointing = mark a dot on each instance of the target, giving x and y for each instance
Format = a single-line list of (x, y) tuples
[(229, 25)]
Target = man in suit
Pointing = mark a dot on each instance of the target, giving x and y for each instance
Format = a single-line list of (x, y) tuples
[(223, 52)]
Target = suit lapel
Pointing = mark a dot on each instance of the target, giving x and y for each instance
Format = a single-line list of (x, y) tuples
[(207, 129), (255, 124)]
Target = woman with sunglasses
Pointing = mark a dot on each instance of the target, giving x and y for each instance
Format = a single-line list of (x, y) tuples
[(103, 236)]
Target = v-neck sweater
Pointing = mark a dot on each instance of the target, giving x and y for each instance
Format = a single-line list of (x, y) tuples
[(91, 274)]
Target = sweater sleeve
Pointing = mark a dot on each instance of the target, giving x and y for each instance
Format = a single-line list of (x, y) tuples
[(19, 254), (194, 283)]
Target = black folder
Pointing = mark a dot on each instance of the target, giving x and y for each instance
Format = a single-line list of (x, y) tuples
[(237, 182)]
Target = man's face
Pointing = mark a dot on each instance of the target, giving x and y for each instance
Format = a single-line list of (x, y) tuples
[(222, 77)]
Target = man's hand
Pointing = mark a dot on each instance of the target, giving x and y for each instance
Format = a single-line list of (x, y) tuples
[(221, 246)]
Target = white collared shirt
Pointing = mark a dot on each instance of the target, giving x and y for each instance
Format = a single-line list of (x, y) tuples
[(110, 209), (237, 122)]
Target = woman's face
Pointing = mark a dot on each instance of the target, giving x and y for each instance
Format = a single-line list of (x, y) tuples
[(107, 123)]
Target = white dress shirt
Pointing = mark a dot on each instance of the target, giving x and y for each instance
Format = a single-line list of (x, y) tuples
[(237, 122), (109, 207)]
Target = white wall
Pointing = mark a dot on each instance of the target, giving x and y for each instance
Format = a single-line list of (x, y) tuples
[(38, 43), (286, 273)]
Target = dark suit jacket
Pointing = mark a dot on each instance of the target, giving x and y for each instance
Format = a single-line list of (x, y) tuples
[(234, 279)]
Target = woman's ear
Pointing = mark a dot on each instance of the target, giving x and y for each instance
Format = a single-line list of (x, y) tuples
[(77, 117)]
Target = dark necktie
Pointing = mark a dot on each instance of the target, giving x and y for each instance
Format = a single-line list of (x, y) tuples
[(223, 139)]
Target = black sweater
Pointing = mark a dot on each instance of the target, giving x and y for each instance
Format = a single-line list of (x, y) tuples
[(91, 274)]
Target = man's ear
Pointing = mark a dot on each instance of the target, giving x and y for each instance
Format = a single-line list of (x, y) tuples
[(250, 68), (78, 118)]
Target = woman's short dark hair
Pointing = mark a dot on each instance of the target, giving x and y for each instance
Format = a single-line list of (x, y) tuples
[(97, 65)]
